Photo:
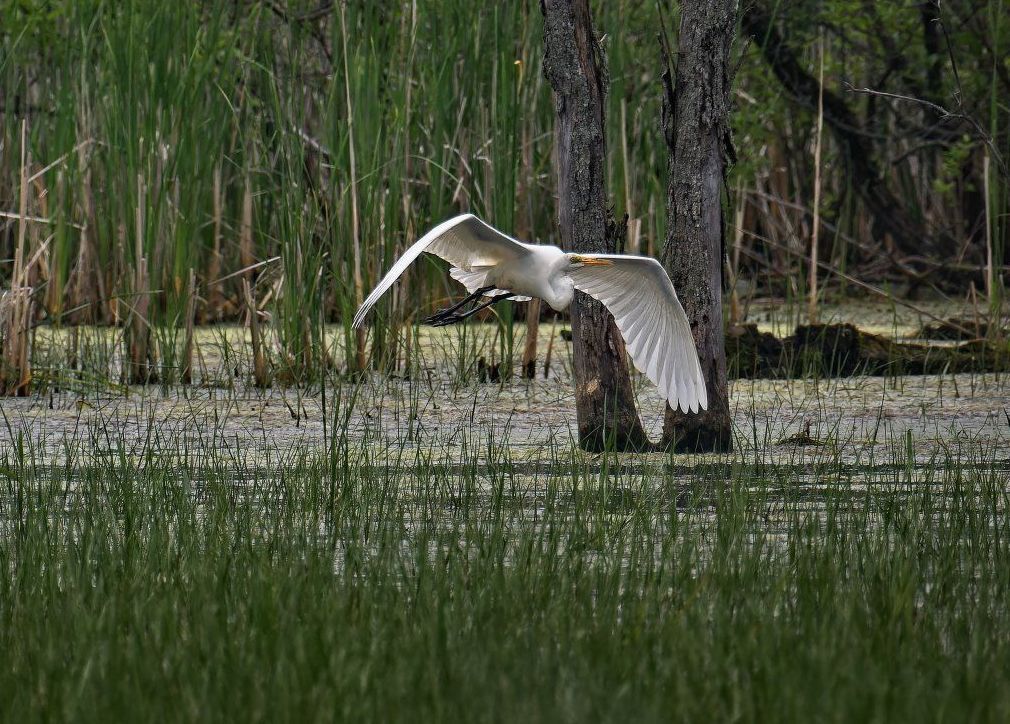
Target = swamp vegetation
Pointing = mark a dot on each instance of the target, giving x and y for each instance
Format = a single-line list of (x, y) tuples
[(218, 502), (155, 158), (437, 549), (432, 547)]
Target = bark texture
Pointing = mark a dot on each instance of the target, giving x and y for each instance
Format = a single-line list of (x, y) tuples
[(696, 126), (575, 67)]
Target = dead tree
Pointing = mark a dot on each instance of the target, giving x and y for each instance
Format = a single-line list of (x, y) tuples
[(696, 125), (575, 66)]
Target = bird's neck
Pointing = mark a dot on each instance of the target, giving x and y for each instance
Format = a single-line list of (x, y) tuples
[(563, 291)]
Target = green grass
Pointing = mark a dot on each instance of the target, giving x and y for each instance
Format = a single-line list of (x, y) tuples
[(199, 578), (148, 123), (153, 580)]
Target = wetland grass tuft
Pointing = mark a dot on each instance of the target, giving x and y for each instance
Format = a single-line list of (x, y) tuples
[(175, 579)]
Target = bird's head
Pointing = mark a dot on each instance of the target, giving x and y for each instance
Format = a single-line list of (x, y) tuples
[(577, 260)]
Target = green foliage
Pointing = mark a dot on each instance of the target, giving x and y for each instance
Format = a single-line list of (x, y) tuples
[(951, 165), (359, 585), (134, 106)]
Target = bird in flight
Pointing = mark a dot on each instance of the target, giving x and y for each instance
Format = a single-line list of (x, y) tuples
[(635, 290)]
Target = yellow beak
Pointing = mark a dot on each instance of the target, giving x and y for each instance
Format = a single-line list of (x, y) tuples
[(591, 261)]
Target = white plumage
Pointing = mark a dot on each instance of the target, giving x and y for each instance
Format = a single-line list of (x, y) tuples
[(635, 289)]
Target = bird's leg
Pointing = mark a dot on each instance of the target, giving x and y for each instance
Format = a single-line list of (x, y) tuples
[(459, 317), (449, 311)]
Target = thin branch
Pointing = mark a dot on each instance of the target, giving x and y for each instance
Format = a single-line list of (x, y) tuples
[(944, 113), (959, 95), (243, 270), (312, 143), (320, 12), (36, 219)]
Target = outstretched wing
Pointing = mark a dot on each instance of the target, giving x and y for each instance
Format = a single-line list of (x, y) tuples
[(640, 295), (464, 241)]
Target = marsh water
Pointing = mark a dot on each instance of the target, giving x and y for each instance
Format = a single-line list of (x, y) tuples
[(441, 413)]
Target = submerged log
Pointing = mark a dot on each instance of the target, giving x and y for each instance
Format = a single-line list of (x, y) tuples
[(964, 328), (751, 354), (842, 350)]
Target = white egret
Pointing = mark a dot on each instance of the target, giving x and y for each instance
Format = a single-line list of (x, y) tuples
[(635, 289)]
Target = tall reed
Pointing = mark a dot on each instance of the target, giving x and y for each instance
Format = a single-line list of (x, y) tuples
[(241, 122)]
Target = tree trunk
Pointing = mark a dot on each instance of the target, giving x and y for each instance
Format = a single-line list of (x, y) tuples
[(696, 125), (575, 66)]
